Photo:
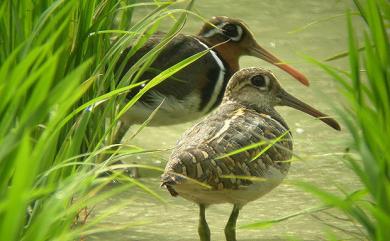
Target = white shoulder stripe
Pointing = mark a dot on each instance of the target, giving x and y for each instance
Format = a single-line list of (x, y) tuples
[(221, 77)]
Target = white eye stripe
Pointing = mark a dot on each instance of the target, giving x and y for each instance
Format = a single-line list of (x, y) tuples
[(212, 32), (267, 81), (239, 35), (218, 30)]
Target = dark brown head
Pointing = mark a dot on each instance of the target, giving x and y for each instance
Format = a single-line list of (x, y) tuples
[(241, 41), (259, 88)]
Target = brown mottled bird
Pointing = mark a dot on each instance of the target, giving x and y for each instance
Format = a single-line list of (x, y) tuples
[(196, 90), (199, 168)]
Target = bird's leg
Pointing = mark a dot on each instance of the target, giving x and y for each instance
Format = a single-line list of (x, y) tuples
[(203, 227), (230, 228)]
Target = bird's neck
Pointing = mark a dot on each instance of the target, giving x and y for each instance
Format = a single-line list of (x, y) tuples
[(273, 114), (229, 55), (267, 111), (228, 52)]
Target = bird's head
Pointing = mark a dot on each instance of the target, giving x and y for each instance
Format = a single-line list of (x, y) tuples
[(259, 89), (241, 41)]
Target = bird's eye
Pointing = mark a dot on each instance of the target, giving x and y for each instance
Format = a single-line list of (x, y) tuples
[(230, 30), (260, 81), (233, 31)]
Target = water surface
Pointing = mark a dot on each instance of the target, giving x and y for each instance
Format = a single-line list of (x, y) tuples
[(271, 21)]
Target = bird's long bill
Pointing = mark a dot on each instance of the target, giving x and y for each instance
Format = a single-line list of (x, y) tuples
[(293, 102), (258, 51)]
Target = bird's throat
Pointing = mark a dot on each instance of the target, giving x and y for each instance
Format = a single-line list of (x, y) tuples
[(230, 55)]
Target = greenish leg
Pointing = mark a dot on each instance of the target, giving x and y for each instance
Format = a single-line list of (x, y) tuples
[(203, 228), (230, 228)]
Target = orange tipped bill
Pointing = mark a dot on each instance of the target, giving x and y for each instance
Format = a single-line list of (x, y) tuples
[(258, 51)]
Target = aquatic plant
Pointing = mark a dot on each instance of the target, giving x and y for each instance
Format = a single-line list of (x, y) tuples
[(59, 108), (366, 115)]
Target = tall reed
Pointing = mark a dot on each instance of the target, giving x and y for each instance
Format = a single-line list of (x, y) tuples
[(366, 115), (59, 105), (366, 88)]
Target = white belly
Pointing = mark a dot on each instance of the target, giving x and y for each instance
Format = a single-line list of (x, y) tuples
[(198, 194)]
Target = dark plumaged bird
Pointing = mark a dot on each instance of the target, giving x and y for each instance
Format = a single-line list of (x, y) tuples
[(200, 169), (197, 89)]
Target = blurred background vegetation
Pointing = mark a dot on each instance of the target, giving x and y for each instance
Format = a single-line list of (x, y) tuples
[(59, 108)]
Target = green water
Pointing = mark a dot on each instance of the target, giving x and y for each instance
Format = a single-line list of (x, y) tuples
[(319, 146)]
